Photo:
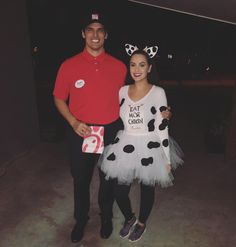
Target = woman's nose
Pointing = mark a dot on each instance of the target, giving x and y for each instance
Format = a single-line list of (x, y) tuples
[(136, 69)]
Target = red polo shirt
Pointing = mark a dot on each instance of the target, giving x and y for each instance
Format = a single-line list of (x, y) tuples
[(92, 86)]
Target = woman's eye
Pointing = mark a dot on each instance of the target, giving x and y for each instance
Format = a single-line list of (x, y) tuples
[(142, 64)]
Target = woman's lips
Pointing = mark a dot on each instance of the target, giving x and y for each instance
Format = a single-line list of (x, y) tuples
[(137, 74)]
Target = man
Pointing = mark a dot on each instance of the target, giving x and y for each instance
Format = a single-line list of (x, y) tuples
[(91, 81)]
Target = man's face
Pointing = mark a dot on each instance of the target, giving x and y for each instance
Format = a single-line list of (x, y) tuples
[(94, 35)]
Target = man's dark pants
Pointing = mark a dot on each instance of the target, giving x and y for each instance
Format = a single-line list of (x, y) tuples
[(82, 167)]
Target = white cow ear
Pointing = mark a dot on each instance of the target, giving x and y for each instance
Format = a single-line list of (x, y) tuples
[(130, 49), (151, 51)]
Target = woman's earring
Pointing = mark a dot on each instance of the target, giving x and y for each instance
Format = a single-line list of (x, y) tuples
[(150, 68)]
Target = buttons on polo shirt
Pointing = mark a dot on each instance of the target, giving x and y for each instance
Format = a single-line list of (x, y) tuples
[(96, 64)]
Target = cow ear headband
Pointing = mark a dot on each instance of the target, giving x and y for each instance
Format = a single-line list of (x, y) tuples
[(151, 51)]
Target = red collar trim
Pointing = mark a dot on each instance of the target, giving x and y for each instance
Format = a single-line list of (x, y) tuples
[(91, 58)]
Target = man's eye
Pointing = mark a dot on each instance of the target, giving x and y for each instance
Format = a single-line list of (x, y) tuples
[(101, 30)]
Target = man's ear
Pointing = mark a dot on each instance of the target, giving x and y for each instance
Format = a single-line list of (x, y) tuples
[(83, 35), (106, 35)]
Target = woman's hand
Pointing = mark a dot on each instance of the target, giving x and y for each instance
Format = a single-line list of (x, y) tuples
[(168, 168)]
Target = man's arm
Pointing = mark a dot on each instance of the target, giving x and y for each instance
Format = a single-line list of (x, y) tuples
[(167, 113), (79, 127)]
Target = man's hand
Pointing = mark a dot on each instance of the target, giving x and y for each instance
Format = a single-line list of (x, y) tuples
[(81, 128), (167, 113)]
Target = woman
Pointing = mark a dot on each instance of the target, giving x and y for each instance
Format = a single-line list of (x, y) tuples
[(142, 150)]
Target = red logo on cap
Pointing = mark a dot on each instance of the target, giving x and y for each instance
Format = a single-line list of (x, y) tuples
[(94, 16)]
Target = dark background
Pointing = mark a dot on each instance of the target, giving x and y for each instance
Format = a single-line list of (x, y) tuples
[(200, 48), (195, 43), (38, 35)]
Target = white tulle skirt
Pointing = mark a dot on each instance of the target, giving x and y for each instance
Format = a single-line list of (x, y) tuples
[(149, 166)]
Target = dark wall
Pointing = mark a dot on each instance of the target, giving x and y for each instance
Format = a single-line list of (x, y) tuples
[(19, 123)]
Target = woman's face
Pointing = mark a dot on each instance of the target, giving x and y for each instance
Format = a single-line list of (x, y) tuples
[(139, 67)]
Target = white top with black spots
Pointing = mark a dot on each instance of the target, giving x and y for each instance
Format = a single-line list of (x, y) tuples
[(143, 117)]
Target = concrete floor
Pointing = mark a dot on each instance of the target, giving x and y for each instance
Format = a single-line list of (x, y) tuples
[(36, 205)]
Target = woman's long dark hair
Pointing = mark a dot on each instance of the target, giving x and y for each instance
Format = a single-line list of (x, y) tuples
[(152, 75)]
